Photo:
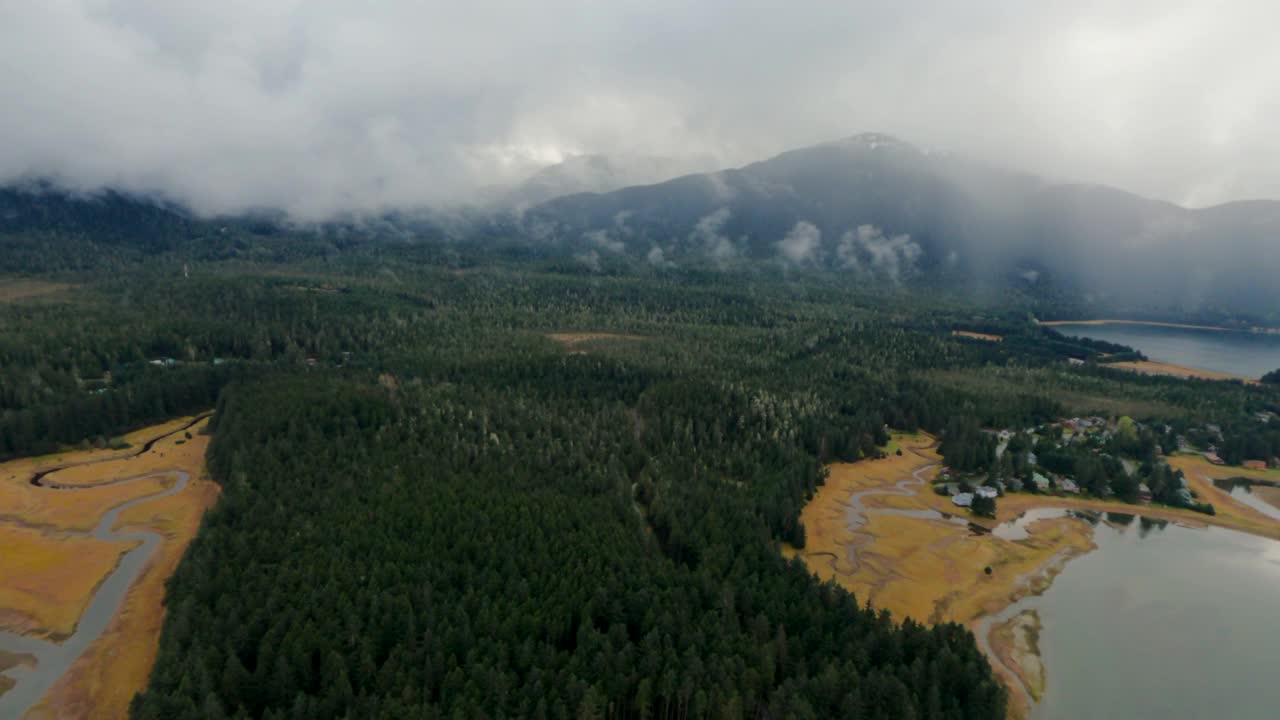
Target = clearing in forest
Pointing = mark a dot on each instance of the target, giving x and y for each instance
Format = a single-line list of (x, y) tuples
[(574, 341), (977, 335), (1155, 367), (12, 289)]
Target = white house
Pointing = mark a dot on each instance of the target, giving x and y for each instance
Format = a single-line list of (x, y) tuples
[(986, 492), (1069, 485), (962, 499)]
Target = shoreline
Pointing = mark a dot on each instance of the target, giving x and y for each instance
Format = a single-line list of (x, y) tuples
[(1186, 372), (1157, 323), (875, 530)]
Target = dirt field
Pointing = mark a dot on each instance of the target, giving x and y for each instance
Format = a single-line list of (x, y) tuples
[(1154, 367), (10, 660), (12, 289), (977, 335), (59, 572), (1269, 494), (1016, 643), (573, 341)]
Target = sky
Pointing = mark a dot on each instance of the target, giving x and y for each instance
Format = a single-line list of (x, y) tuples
[(324, 106)]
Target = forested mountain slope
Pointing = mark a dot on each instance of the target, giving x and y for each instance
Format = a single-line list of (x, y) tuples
[(877, 208)]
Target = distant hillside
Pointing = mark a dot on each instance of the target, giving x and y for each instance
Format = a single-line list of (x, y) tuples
[(882, 209), (873, 207), (600, 173)]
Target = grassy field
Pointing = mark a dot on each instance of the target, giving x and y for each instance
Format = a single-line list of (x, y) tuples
[(23, 505), (977, 335), (930, 570), (576, 341), (934, 570), (176, 450), (1154, 367), (48, 576), (1201, 473), (1080, 396), (14, 289), (103, 681)]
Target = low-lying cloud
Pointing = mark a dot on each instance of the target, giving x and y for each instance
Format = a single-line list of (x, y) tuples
[(801, 246), (867, 250), (708, 239)]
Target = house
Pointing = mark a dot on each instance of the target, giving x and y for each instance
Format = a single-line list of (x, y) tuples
[(1068, 485), (1042, 482), (962, 499), (1032, 459), (1144, 493), (1213, 458), (986, 492), (1014, 484), (1255, 464)]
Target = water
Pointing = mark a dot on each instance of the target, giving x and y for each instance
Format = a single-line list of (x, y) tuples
[(54, 659), (1237, 353), (1241, 490), (1162, 622)]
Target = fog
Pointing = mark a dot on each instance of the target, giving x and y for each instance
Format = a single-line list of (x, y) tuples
[(319, 106)]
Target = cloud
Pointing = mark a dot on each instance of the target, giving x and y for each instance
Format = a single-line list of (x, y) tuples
[(868, 251), (707, 238), (590, 258), (803, 245), (319, 107), (605, 240), (658, 258)]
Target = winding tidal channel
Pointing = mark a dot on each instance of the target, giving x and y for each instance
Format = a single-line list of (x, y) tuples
[(54, 659)]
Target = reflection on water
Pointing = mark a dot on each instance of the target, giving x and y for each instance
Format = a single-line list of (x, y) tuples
[(1241, 489), (1017, 529), (1167, 622)]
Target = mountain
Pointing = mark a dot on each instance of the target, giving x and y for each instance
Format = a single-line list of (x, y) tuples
[(883, 209), (598, 174), (871, 206)]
